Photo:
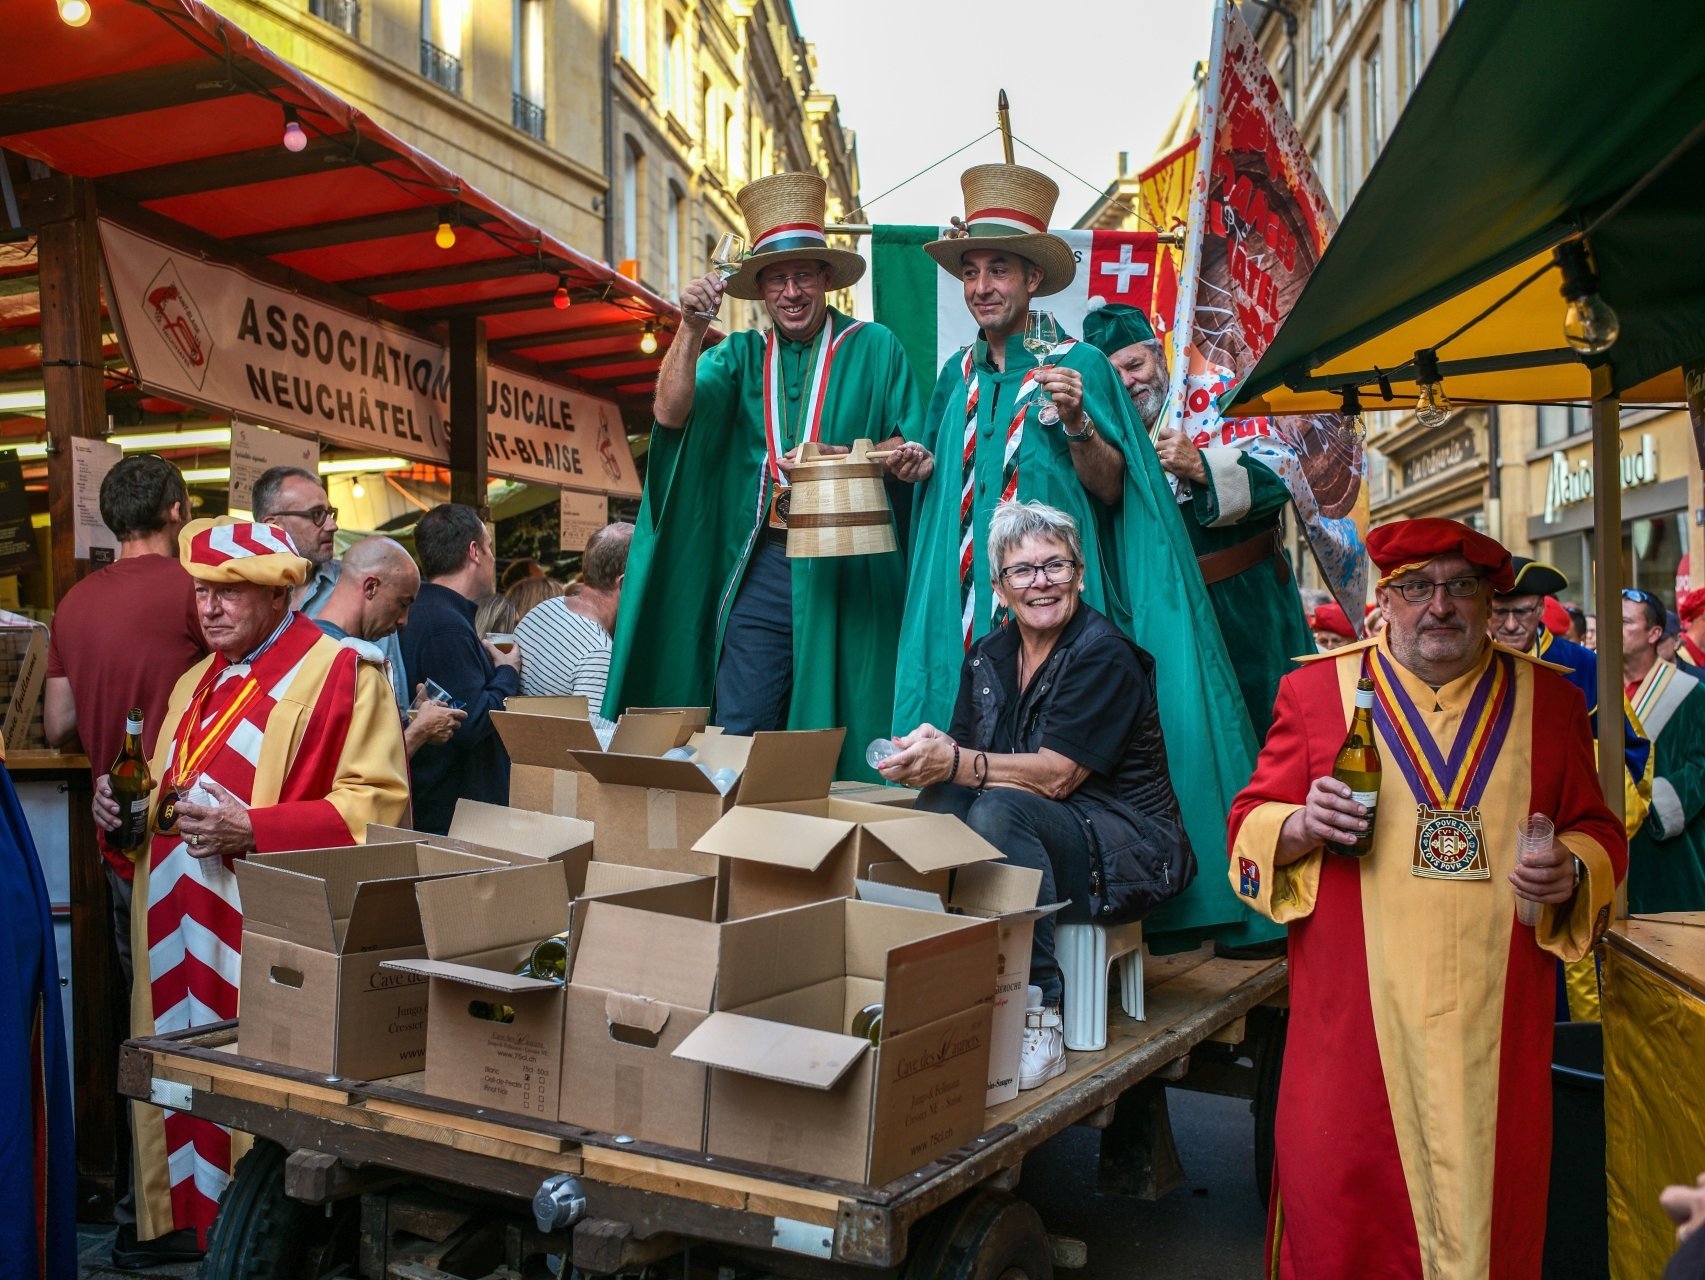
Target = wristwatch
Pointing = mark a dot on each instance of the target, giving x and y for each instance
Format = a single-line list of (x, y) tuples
[(1088, 432)]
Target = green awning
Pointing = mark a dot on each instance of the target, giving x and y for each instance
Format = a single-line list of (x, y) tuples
[(1533, 118)]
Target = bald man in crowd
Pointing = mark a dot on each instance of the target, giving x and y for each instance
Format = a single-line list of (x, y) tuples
[(369, 601)]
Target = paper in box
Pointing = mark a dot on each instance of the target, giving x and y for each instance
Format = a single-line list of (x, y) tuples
[(541, 734), (789, 1087), (641, 982), (318, 925)]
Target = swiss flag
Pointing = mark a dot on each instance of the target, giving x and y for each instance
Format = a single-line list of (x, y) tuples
[(1121, 268)]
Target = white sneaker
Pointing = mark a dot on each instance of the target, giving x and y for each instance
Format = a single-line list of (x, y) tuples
[(1044, 1053)]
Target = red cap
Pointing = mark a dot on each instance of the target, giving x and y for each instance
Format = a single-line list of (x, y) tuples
[(1691, 605), (1556, 617), (1409, 544), (1330, 617)]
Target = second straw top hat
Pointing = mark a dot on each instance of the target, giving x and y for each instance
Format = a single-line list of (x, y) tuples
[(1007, 207), (784, 223)]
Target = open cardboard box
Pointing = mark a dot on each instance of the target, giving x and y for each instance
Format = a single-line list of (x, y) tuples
[(790, 1088), (318, 924), (997, 891), (641, 981), (541, 734), (788, 842), (875, 793), (514, 836)]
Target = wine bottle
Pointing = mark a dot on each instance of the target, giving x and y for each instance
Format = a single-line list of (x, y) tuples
[(131, 785), (1357, 767)]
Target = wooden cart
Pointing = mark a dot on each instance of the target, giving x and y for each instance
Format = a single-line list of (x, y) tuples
[(380, 1180)]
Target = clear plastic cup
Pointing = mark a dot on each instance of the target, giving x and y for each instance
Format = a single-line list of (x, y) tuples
[(879, 750), (1535, 834)]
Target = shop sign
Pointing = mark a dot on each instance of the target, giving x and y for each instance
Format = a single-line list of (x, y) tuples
[(1565, 487), (208, 333), (1440, 458)]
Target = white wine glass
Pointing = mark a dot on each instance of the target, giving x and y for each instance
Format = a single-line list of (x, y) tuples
[(726, 260), (1041, 335)]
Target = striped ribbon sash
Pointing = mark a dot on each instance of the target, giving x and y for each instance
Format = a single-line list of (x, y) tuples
[(823, 352)]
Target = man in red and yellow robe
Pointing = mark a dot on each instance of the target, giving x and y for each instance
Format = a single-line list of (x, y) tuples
[(1414, 1121), (280, 739)]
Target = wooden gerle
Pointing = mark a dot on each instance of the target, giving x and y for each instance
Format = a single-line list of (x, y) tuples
[(838, 505)]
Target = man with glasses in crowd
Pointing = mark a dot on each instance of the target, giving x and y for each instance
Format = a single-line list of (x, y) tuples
[(1667, 855), (295, 501), (712, 608), (1421, 1007)]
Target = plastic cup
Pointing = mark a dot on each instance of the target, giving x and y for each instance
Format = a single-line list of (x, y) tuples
[(1535, 834), (502, 641), (879, 750)]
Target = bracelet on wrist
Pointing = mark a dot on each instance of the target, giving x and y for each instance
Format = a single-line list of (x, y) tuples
[(954, 775)]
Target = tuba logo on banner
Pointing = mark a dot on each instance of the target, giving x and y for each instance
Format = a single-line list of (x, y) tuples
[(175, 315)]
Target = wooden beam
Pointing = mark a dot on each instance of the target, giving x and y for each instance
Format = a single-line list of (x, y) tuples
[(174, 84), (635, 356), (244, 168), (509, 264), (422, 219), (556, 337), (468, 470)]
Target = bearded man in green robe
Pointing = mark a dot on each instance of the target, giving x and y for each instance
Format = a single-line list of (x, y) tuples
[(1004, 424), (713, 611), (1232, 517)]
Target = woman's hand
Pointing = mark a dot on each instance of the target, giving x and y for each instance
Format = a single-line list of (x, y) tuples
[(925, 757)]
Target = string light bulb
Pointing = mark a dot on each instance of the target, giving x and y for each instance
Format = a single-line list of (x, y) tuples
[(75, 13), (1434, 405), (1350, 410), (1589, 324), (295, 138), (358, 490), (648, 339), (560, 298), (446, 236)]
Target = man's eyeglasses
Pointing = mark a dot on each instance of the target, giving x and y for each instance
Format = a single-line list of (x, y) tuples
[(1521, 613), (1420, 590), (316, 516), (804, 281), (1027, 575)]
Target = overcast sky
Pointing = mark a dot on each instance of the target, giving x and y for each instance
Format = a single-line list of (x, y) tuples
[(918, 78)]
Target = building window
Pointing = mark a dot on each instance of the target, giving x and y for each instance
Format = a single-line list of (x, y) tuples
[(633, 192), (345, 15), (727, 135), (632, 33), (1341, 158), (1558, 422), (1373, 105), (1287, 77), (1409, 34), (674, 70), (440, 40), (528, 72), (1316, 32), (677, 232)]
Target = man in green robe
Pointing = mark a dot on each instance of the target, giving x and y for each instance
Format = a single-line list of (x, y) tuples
[(1232, 517), (1088, 455), (713, 610)]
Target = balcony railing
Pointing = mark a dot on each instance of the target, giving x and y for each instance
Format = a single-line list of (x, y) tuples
[(528, 116), (443, 69), (345, 15)]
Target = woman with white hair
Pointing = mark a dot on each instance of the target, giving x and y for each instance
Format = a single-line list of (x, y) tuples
[(1055, 755)]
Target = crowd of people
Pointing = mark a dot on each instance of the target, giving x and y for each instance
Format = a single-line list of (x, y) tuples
[(1076, 594)]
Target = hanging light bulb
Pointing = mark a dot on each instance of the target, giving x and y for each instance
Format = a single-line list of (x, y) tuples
[(1350, 410), (446, 237), (74, 13), (358, 490), (648, 339), (1434, 405), (294, 137), (1589, 325), (560, 298)]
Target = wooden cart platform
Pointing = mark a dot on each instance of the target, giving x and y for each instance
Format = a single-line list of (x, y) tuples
[(643, 1201)]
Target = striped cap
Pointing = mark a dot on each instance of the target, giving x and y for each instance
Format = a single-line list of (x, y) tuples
[(227, 550)]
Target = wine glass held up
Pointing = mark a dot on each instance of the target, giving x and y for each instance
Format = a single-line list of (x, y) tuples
[(1042, 335), (726, 260)]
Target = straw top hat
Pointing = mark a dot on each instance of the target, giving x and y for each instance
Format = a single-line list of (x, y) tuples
[(784, 223), (1007, 207)]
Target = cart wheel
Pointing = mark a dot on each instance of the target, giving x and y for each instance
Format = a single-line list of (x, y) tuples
[(1269, 1059), (988, 1236), (262, 1234)]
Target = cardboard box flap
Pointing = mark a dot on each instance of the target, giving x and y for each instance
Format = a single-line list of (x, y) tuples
[(719, 750), (774, 1050), (937, 976), (780, 951), (645, 953), (693, 719), (649, 733), (510, 907), (928, 842), (995, 888), (613, 769), (898, 895), (538, 835), (544, 740), (571, 706), (486, 979), (797, 841), (790, 766), (279, 903), (637, 1013)]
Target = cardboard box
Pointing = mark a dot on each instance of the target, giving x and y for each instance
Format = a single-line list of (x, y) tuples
[(789, 1087), (541, 733), (23, 672), (641, 982), (875, 793), (514, 836), (477, 930), (788, 842), (997, 891), (318, 925)]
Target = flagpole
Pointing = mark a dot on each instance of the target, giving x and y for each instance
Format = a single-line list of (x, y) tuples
[(1003, 118)]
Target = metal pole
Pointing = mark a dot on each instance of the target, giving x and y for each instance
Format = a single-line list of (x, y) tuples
[(1003, 117), (1607, 590)]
